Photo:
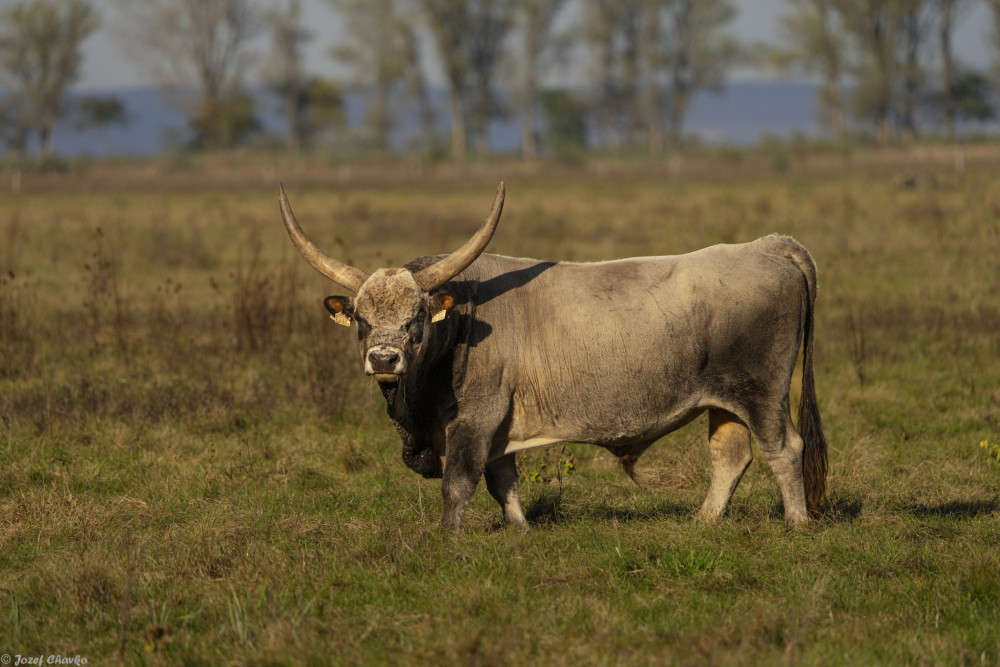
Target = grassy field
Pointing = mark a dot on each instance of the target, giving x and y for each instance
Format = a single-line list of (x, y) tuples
[(194, 470)]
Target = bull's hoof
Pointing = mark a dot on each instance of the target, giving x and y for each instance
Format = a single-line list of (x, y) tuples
[(453, 527), (796, 523), (521, 527), (708, 516)]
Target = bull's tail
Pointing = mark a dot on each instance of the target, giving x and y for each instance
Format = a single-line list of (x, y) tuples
[(814, 462)]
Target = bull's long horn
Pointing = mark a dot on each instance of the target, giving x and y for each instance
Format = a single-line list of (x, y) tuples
[(335, 270), (437, 274)]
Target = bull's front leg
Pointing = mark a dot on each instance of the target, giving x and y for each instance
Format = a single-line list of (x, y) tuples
[(501, 480), (466, 450)]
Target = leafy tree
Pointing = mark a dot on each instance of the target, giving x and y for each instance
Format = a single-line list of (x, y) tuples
[(200, 42), (565, 121), (95, 112), (971, 98), (225, 121), (99, 112), (40, 56), (322, 107)]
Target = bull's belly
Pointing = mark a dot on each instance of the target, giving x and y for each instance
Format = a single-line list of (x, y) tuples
[(613, 435)]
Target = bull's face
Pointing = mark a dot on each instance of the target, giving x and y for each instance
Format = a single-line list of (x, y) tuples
[(393, 307), (393, 315)]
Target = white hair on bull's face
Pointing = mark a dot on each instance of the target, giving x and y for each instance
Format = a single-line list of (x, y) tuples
[(518, 353), (391, 311)]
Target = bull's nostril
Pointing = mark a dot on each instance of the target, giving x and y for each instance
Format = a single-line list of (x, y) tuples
[(384, 361)]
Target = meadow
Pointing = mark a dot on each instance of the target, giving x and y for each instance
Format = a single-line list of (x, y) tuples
[(194, 470)]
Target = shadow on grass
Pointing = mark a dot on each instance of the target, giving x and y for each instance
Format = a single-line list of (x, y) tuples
[(835, 511), (548, 508), (841, 510), (955, 509)]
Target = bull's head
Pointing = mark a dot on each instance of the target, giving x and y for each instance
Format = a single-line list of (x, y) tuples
[(392, 307)]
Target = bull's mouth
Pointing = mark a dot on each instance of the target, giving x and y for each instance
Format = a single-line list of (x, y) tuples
[(386, 378)]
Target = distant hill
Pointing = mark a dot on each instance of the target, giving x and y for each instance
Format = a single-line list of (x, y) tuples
[(740, 114)]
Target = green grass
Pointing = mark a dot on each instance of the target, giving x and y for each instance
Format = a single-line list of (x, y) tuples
[(194, 470)]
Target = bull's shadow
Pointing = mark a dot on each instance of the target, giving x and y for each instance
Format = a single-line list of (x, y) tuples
[(546, 508), (487, 290), (842, 508), (955, 509)]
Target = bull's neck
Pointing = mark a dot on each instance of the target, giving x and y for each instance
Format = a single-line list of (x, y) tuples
[(395, 401)]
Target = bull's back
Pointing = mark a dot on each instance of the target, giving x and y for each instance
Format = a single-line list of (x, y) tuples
[(628, 349)]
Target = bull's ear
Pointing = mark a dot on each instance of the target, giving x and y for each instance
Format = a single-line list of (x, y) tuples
[(440, 304), (341, 309)]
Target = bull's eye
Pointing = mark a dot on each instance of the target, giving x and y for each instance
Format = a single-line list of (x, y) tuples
[(363, 327), (415, 327)]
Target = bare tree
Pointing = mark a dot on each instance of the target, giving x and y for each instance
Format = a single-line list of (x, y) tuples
[(537, 19), (283, 71), (875, 27), (651, 57), (915, 23), (40, 55), (200, 42), (601, 22), (613, 31), (994, 34), (697, 55), (380, 47), (469, 36), (950, 13), (813, 41)]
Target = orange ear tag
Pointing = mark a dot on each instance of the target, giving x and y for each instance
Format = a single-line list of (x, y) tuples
[(446, 303)]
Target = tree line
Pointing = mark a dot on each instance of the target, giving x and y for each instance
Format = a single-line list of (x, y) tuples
[(884, 66)]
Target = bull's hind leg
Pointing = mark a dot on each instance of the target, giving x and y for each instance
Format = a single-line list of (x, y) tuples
[(782, 446), (729, 444), (501, 480)]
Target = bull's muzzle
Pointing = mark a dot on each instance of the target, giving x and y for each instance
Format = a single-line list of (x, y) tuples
[(385, 363)]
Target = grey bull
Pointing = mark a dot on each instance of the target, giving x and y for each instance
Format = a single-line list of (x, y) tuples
[(480, 356)]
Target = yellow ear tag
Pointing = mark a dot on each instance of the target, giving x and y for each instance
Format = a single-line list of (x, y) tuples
[(341, 319), (439, 315)]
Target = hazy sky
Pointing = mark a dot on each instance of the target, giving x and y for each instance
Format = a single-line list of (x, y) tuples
[(106, 66)]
